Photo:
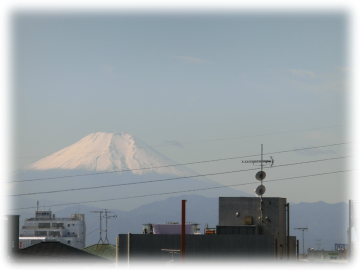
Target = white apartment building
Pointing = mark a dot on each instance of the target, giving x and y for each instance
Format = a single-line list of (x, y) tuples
[(45, 227)]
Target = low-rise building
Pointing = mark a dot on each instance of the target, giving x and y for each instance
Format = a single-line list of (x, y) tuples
[(327, 255), (46, 227)]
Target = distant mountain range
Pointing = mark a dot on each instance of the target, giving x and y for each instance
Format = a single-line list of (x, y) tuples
[(327, 222), (119, 160), (100, 159)]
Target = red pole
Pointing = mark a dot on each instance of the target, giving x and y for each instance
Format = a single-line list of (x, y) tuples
[(183, 231)]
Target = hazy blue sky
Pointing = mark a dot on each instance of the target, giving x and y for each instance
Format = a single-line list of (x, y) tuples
[(186, 78)]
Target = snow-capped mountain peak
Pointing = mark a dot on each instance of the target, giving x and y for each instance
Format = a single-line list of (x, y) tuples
[(103, 151)]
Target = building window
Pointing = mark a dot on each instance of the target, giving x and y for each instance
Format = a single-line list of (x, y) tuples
[(39, 233), (68, 225), (54, 233), (44, 225)]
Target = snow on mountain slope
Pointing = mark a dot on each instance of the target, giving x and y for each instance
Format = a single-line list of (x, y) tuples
[(103, 151), (110, 152)]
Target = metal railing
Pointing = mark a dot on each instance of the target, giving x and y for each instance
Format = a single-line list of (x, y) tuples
[(32, 235), (37, 228), (53, 219)]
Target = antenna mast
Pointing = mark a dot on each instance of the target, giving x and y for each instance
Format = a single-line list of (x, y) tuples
[(100, 240), (260, 190), (106, 218), (303, 229)]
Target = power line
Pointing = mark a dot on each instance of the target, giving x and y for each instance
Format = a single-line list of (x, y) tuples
[(221, 139), (168, 179), (92, 231), (174, 165), (190, 190)]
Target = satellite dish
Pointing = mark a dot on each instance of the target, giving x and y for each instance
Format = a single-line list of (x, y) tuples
[(260, 175), (260, 190)]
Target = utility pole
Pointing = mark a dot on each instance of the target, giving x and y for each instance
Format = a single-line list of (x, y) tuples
[(100, 240), (183, 207), (106, 218), (303, 229)]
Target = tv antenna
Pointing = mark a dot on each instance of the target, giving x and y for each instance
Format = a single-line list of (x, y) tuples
[(319, 243), (303, 229), (106, 218), (260, 190), (100, 240), (171, 264), (172, 252)]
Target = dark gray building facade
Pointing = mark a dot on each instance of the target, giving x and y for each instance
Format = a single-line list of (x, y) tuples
[(11, 233), (247, 230)]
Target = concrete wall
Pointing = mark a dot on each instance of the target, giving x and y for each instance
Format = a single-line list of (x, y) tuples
[(147, 247), (292, 247), (273, 208)]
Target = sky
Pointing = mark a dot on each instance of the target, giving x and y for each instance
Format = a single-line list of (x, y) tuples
[(216, 84)]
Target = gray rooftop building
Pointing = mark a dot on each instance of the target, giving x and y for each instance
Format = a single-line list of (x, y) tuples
[(248, 229)]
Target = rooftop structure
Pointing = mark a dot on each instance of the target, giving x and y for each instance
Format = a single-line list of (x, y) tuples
[(170, 228)]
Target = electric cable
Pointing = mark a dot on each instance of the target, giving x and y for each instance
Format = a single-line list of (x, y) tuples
[(190, 190), (221, 139), (174, 165), (93, 231), (168, 179)]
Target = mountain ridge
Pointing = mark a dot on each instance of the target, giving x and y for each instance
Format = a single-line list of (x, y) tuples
[(103, 151)]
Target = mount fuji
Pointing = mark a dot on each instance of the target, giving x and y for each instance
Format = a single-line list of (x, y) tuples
[(102, 159), (108, 152)]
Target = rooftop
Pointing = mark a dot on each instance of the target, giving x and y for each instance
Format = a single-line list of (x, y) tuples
[(55, 251), (107, 251)]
